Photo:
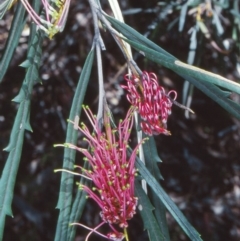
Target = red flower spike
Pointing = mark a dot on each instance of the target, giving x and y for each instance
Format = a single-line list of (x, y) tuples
[(112, 173), (151, 101)]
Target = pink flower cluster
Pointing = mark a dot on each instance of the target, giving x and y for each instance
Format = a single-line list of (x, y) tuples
[(151, 101), (113, 171)]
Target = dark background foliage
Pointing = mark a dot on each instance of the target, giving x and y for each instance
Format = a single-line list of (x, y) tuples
[(201, 166)]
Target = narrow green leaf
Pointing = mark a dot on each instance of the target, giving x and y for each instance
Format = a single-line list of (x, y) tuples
[(160, 214), (145, 208), (151, 159), (182, 17), (160, 56), (151, 156), (218, 95), (169, 204), (14, 35), (133, 35), (235, 13), (4, 6), (202, 79), (186, 69), (66, 186), (78, 205), (218, 24)]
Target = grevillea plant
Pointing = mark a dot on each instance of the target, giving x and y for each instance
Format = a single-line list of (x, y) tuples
[(124, 181), (112, 171)]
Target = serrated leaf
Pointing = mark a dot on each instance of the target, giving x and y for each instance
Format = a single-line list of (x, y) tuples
[(145, 209), (25, 64), (169, 204), (23, 94), (151, 157), (32, 73), (21, 122), (66, 186), (27, 123), (17, 126)]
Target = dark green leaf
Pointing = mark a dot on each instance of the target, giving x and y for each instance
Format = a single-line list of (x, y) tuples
[(78, 206), (66, 186), (151, 159), (202, 79), (186, 69), (145, 208), (12, 41), (169, 204), (133, 35)]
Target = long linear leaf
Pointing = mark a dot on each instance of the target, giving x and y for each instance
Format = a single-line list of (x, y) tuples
[(169, 204), (133, 35), (202, 79), (218, 95), (195, 75), (146, 211), (159, 55), (186, 69), (151, 156), (151, 159), (12, 41), (78, 205), (66, 186), (4, 5), (21, 124), (182, 17)]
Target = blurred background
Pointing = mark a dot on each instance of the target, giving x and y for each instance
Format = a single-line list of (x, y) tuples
[(201, 160)]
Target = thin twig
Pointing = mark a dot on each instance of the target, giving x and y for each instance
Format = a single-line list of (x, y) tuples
[(99, 46)]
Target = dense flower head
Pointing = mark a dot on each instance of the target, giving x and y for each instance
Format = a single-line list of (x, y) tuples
[(112, 170), (151, 101), (56, 12)]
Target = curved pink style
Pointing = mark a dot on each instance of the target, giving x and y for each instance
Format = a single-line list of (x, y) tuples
[(151, 101), (112, 171)]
